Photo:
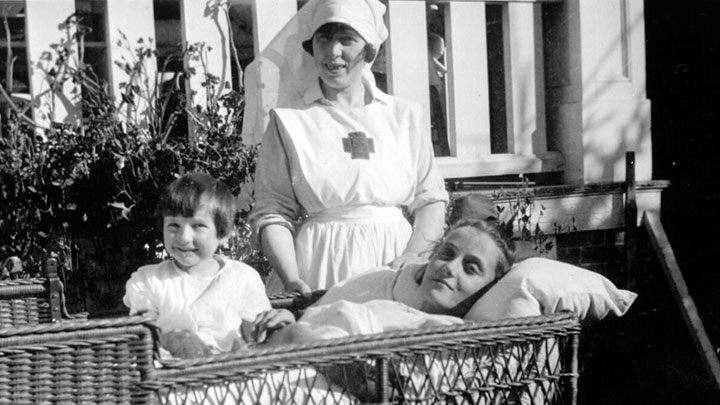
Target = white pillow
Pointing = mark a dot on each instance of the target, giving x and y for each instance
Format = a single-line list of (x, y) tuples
[(539, 286)]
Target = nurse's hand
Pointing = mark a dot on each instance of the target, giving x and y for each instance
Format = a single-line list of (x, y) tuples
[(406, 259), (298, 286)]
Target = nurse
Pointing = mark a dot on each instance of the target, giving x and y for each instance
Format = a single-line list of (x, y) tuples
[(338, 167)]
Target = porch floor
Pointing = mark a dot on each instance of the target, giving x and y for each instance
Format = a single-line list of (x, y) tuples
[(646, 357)]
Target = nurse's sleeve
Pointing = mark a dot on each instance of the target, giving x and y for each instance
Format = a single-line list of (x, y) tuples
[(275, 201), (430, 187)]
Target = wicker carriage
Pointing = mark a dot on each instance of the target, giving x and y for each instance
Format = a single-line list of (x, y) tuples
[(24, 302), (35, 300), (527, 360), (531, 360)]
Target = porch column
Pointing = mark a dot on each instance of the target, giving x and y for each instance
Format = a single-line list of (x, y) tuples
[(128, 22), (205, 29), (525, 99), (597, 102), (468, 80), (43, 18), (407, 62)]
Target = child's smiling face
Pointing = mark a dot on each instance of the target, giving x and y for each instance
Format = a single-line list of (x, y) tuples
[(465, 262), (192, 241)]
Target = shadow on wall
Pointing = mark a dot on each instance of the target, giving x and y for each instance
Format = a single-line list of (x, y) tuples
[(612, 113)]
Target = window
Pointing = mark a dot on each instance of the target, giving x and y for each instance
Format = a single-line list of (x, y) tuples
[(494, 112), (13, 67)]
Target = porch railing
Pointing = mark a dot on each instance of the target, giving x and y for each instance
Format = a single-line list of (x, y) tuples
[(522, 86)]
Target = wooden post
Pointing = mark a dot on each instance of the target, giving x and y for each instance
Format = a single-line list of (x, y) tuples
[(467, 80), (524, 78), (205, 31), (129, 22), (630, 222), (50, 103), (55, 289), (596, 86), (573, 369), (383, 380), (407, 59)]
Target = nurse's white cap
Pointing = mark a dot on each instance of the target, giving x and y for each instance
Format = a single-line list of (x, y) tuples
[(364, 16)]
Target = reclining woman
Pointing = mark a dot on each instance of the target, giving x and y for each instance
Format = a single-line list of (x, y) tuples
[(466, 263)]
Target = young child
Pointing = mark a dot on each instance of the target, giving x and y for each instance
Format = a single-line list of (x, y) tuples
[(198, 297)]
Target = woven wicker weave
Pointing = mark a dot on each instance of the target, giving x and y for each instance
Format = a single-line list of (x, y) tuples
[(529, 360), (24, 302), (101, 361), (35, 300)]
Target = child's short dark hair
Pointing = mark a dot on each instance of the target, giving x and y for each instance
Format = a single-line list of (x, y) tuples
[(184, 196)]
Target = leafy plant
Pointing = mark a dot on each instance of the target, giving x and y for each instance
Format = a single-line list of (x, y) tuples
[(93, 185), (522, 220)]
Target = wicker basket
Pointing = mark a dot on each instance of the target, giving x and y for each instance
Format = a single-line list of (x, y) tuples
[(35, 300), (24, 302), (101, 361), (529, 360), (113, 361)]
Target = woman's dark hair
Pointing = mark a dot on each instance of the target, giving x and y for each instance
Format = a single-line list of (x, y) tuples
[(333, 28), (497, 233), (184, 196)]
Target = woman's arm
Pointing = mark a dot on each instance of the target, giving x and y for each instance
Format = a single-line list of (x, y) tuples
[(431, 198), (276, 206), (279, 247), (427, 230)]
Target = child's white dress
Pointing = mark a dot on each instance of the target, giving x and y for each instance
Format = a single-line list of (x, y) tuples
[(212, 307)]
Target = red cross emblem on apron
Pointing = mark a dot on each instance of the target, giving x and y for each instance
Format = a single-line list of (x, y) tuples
[(358, 145)]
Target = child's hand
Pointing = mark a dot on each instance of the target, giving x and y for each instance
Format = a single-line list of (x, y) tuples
[(268, 322), (184, 344)]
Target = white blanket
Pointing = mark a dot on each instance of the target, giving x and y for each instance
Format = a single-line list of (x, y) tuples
[(427, 378), (344, 318), (423, 377)]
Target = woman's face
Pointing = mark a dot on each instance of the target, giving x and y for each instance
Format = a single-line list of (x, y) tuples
[(464, 263), (339, 54)]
